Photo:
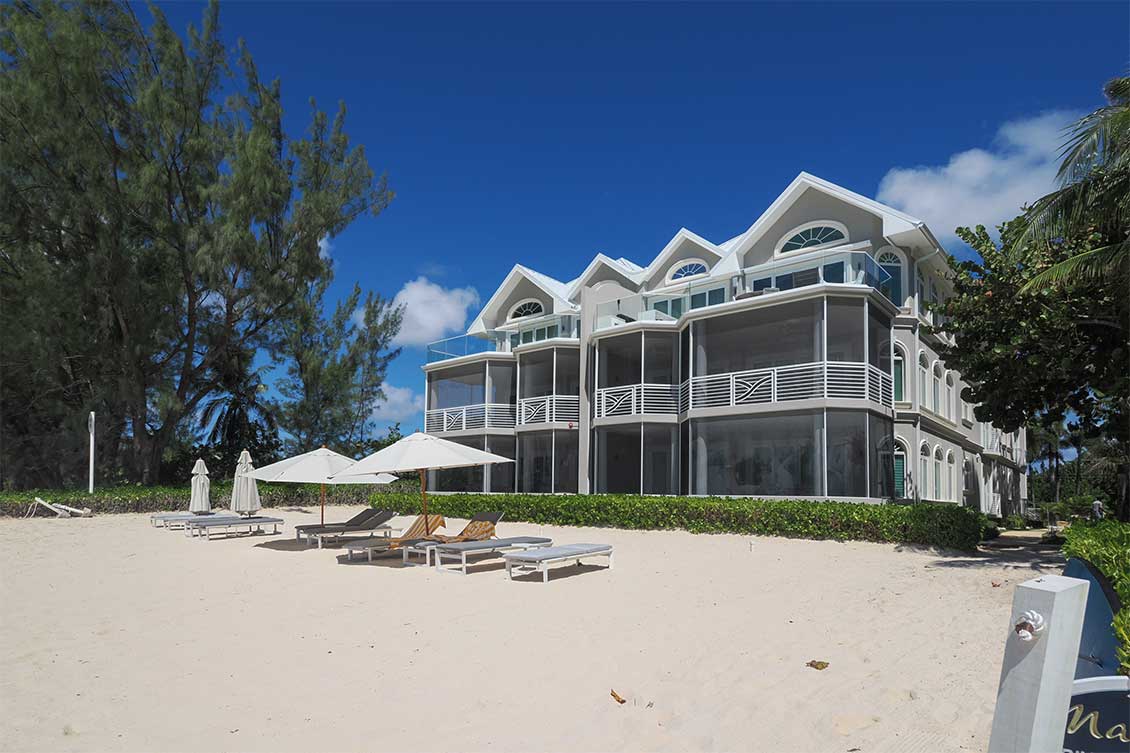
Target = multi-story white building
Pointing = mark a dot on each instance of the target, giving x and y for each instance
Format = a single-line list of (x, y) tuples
[(788, 361)]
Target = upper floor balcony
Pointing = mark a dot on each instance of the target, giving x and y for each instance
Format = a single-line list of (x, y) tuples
[(504, 340), (781, 384), (836, 267)]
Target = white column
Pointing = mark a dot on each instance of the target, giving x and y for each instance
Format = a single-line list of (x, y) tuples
[(90, 426), (1037, 674)]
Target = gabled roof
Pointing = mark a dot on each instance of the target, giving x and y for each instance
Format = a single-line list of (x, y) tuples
[(672, 246), (895, 223), (629, 270), (557, 291)]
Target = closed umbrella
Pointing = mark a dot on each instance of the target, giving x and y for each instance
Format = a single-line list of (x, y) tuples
[(199, 501), (420, 453), (244, 493), (315, 467)]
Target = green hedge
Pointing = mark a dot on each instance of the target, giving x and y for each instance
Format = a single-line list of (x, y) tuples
[(159, 498), (1106, 545), (942, 525)]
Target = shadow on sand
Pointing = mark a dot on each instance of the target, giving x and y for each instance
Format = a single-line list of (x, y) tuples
[(1034, 557)]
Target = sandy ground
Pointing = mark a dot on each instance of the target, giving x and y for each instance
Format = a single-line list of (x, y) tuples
[(117, 636)]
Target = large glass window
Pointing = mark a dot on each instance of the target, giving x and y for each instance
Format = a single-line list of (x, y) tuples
[(684, 354), (568, 371), (619, 360), (459, 479), (503, 386), (900, 474), (535, 461), (535, 373), (881, 436), (878, 339), (618, 459), (456, 386), (847, 453), (779, 335), (845, 329), (660, 459), (501, 475), (659, 358), (892, 288), (899, 376), (776, 455), (565, 462)]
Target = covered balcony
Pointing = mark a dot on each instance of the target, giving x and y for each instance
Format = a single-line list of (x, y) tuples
[(471, 397), (549, 387)]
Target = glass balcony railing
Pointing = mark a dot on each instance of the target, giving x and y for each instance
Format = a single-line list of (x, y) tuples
[(850, 268), (465, 345), (505, 340), (842, 267)]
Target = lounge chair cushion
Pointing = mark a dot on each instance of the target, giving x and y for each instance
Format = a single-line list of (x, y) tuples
[(486, 546), (559, 552)]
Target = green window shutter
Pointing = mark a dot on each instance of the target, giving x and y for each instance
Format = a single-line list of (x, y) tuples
[(900, 475), (898, 380)]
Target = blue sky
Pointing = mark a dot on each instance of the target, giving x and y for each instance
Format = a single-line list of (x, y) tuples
[(543, 134)]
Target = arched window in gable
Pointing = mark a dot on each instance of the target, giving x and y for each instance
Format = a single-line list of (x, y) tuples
[(812, 235)]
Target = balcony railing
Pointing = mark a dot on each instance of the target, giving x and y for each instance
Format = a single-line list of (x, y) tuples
[(837, 267), (481, 416), (805, 381), (634, 399), (465, 345), (549, 409)]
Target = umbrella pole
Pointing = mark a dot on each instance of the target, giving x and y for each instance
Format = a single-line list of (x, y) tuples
[(424, 494), (323, 504)]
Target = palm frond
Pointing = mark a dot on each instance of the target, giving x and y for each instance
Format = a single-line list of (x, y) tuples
[(1088, 265)]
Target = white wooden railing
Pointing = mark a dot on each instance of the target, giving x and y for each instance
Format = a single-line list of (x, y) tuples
[(480, 416), (549, 409), (820, 379), (634, 399)]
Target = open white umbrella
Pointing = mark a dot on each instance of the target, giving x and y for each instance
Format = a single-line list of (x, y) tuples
[(199, 501), (315, 467), (420, 453), (244, 493)]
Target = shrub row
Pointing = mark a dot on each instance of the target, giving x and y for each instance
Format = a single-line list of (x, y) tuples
[(931, 524), (1106, 545), (159, 498)]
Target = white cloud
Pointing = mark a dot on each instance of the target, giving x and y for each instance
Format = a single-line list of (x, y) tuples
[(399, 404), (325, 248), (431, 311), (982, 186)]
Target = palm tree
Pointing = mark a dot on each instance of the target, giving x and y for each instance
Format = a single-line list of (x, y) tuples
[(1110, 455), (1094, 194), (239, 412)]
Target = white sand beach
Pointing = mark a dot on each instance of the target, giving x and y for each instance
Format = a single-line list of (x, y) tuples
[(115, 636)]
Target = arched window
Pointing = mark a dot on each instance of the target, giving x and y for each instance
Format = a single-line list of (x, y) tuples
[(892, 265), (812, 235), (900, 470), (898, 372), (951, 471), (528, 307), (936, 389), (685, 269), (923, 470), (923, 378), (951, 409), (938, 472)]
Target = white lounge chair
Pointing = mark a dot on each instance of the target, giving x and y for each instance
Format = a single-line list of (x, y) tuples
[(204, 528), (460, 550), (539, 560)]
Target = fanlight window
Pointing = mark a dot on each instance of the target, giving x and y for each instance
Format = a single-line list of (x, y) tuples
[(690, 269), (526, 308), (818, 235)]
